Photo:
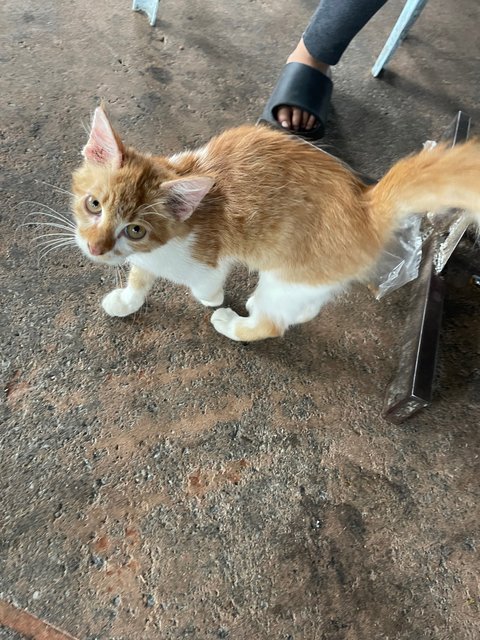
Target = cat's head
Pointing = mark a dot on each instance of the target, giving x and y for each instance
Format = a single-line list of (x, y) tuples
[(126, 202)]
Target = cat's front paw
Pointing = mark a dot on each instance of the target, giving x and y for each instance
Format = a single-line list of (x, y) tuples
[(214, 300), (122, 302)]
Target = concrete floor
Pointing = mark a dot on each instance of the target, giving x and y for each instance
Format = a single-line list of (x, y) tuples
[(159, 481)]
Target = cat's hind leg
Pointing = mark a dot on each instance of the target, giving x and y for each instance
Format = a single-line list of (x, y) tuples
[(274, 306), (123, 302), (235, 327)]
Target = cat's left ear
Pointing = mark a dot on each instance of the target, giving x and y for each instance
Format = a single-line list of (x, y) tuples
[(185, 194), (104, 146)]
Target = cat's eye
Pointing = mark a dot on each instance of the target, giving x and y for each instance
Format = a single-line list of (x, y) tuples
[(92, 205), (135, 231)]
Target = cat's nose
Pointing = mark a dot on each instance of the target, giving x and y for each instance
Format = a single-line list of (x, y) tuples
[(96, 249)]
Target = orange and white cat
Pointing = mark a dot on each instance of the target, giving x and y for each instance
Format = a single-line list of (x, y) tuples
[(257, 197)]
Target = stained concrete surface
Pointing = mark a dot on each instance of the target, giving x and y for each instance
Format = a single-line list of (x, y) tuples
[(159, 481)]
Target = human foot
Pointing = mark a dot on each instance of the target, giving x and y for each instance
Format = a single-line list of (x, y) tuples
[(293, 118), (300, 101)]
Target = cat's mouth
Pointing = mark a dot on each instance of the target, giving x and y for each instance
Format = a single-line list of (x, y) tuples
[(108, 259)]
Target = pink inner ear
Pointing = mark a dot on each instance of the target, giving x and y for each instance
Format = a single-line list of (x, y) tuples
[(186, 194), (102, 147)]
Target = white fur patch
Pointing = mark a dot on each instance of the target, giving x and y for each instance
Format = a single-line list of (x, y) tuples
[(174, 262), (178, 157), (200, 154), (108, 258), (287, 303), (225, 322), (283, 303), (122, 302)]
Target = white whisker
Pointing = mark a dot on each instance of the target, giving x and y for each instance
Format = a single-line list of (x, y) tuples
[(47, 243), (123, 271), (117, 279), (63, 222), (63, 214), (85, 127), (40, 204), (52, 237), (160, 214), (58, 235), (120, 276), (58, 217), (146, 207), (61, 245), (53, 186), (56, 225)]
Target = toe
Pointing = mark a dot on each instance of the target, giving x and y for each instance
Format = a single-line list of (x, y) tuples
[(311, 122), (296, 118), (284, 117), (305, 119)]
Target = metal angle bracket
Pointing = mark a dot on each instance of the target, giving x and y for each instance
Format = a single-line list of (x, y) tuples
[(411, 387)]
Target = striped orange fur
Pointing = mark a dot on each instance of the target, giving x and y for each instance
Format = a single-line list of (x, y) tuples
[(255, 196)]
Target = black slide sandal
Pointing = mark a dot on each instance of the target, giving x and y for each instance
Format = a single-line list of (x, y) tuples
[(303, 87)]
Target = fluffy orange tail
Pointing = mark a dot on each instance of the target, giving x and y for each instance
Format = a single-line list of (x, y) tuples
[(432, 180)]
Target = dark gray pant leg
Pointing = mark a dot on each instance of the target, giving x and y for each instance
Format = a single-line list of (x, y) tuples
[(334, 25)]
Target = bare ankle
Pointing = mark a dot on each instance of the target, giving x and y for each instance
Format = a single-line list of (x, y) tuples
[(301, 54)]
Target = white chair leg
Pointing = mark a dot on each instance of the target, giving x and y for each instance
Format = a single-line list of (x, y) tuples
[(411, 11), (150, 7)]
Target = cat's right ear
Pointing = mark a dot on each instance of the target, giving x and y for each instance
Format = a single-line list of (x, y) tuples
[(104, 146), (185, 194)]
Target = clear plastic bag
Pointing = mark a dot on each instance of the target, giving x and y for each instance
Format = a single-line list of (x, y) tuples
[(400, 261)]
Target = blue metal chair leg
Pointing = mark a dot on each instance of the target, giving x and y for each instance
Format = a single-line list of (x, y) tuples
[(411, 11), (149, 7)]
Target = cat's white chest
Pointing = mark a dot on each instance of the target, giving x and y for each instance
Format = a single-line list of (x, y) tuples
[(172, 261)]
